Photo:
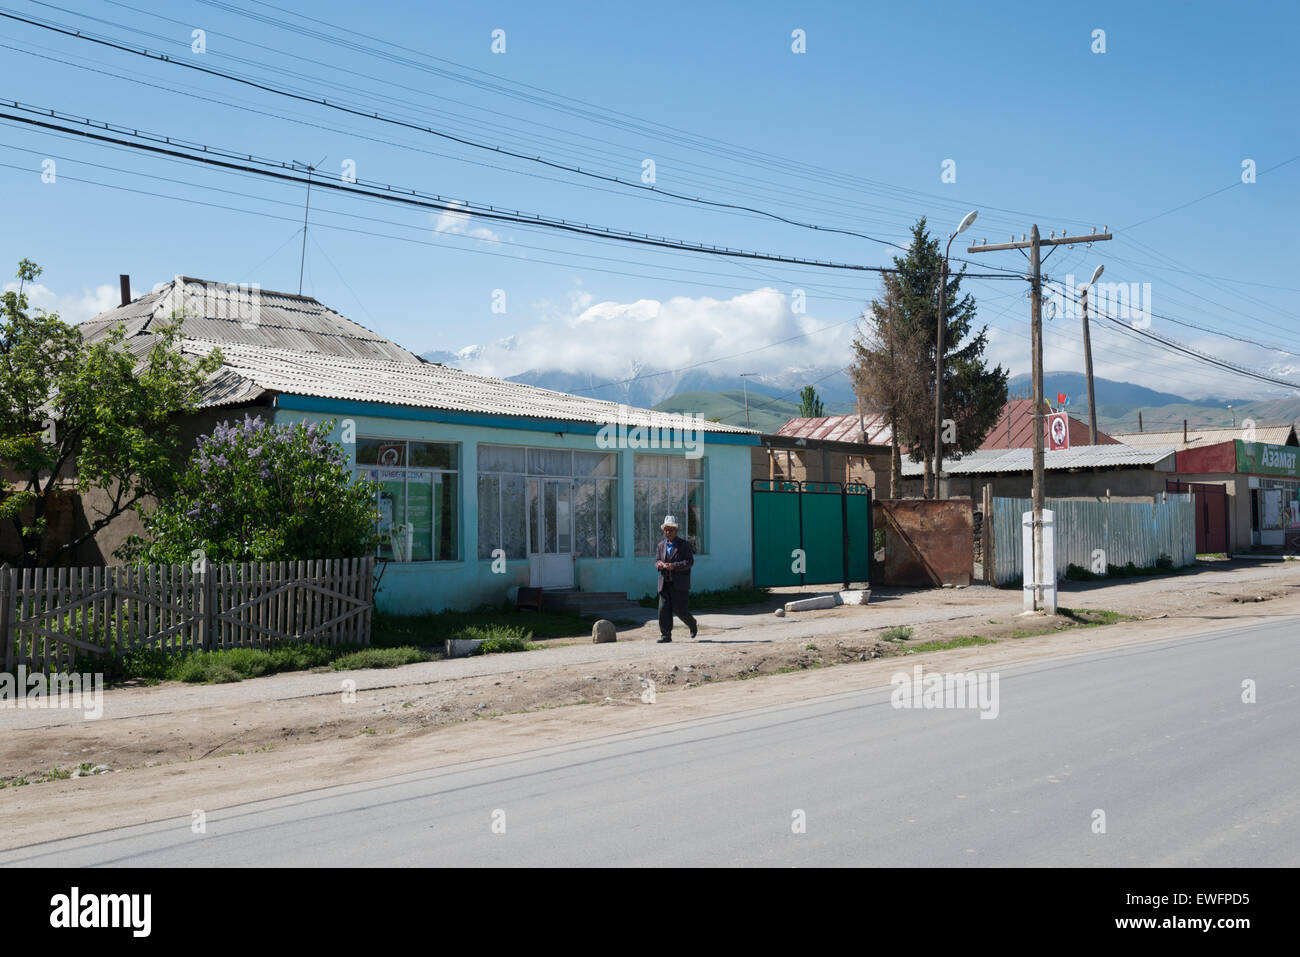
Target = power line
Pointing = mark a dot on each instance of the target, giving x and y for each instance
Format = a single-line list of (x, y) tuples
[(640, 125), (465, 141), (427, 201), (1224, 189)]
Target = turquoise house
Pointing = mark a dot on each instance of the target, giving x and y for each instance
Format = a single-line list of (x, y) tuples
[(485, 485)]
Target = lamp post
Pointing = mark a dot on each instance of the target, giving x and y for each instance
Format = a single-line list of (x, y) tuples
[(1087, 355), (744, 380), (938, 351)]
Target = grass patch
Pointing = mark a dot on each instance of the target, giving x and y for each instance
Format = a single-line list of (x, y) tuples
[(380, 658), (227, 665), (943, 644), (502, 639), (433, 630), (896, 633), (1086, 617), (1164, 566), (720, 598)]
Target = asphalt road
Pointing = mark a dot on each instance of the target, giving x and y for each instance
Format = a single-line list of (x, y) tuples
[(1155, 736)]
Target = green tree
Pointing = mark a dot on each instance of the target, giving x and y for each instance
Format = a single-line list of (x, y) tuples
[(810, 404), (259, 492), (75, 415), (902, 345)]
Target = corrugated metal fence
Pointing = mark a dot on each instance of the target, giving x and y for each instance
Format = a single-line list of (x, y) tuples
[(1135, 532)]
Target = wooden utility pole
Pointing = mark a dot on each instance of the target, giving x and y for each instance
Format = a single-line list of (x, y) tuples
[(1035, 277), (1087, 360)]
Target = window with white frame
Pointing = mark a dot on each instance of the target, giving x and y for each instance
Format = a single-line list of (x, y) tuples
[(668, 485), (514, 483), (418, 497)]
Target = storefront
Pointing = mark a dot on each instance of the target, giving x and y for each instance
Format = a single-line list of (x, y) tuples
[(1260, 483), (1272, 473)]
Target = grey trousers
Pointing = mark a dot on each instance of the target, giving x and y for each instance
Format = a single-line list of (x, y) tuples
[(674, 601)]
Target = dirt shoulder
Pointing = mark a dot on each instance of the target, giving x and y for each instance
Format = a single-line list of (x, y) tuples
[(208, 747)]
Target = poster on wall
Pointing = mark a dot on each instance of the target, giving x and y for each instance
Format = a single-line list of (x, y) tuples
[(1058, 431), (392, 515), (419, 514)]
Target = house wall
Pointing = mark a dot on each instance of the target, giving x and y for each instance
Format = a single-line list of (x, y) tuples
[(417, 587), (1136, 484), (817, 465)]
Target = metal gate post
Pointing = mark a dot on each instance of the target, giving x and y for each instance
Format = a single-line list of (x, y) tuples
[(844, 529), (803, 575)]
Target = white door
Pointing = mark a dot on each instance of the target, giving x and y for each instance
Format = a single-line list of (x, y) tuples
[(550, 532), (1270, 522)]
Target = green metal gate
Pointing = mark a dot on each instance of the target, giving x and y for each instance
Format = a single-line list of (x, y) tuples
[(829, 522)]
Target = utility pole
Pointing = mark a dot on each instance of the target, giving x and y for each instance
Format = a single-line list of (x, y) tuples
[(1087, 356), (302, 261), (1035, 277)]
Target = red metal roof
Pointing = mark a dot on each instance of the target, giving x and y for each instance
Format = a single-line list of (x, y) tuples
[(1015, 429)]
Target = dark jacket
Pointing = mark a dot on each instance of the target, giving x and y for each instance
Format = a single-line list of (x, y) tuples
[(679, 577)]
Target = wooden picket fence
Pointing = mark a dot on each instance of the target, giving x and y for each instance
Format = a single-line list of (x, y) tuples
[(51, 617)]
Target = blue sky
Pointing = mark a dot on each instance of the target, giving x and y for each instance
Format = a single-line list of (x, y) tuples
[(853, 133)]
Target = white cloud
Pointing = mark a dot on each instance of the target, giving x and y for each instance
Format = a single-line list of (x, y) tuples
[(71, 307), (459, 224), (607, 339), (1122, 358)]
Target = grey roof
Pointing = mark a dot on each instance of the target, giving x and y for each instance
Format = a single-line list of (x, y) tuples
[(1282, 434), (246, 315), (423, 385), (1022, 460)]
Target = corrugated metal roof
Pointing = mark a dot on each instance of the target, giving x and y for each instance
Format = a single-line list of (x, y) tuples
[(839, 428), (1014, 428), (1199, 438), (1022, 460), (429, 386), (248, 315)]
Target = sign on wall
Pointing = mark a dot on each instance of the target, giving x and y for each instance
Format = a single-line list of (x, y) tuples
[(1264, 458)]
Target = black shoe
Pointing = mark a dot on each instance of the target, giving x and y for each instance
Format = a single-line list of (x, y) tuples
[(662, 640)]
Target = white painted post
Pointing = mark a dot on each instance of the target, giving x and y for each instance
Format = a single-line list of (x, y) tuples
[(1040, 573), (1027, 565), (1047, 572)]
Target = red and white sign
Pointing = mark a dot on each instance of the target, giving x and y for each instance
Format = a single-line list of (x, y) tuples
[(1058, 431)]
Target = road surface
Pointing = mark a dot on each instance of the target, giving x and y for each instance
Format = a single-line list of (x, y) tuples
[(1156, 737)]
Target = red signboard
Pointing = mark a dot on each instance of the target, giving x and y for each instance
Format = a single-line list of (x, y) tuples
[(1058, 431)]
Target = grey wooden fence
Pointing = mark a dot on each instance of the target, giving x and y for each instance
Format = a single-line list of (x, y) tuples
[(1137, 532), (51, 617)]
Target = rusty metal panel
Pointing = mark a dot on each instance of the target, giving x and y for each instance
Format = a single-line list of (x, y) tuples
[(928, 542)]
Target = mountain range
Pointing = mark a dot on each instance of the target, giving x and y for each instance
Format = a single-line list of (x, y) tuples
[(774, 398)]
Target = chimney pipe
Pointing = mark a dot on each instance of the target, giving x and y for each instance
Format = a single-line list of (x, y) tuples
[(124, 283), (1139, 421), (1184, 431)]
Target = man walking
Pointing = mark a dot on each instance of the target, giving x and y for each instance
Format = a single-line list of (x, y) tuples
[(674, 557)]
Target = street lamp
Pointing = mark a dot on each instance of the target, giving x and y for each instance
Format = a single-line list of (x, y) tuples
[(938, 351), (744, 379), (1087, 354)]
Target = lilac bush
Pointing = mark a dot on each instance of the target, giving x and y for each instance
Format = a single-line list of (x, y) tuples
[(254, 491)]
